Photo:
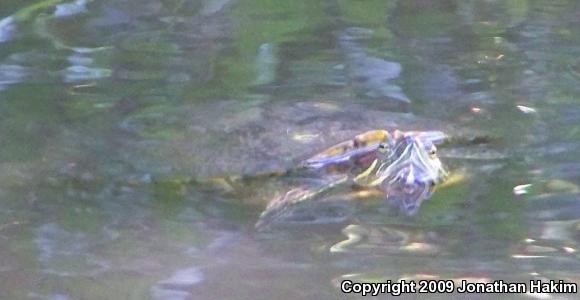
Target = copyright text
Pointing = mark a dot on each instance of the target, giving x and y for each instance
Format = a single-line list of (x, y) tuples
[(449, 286)]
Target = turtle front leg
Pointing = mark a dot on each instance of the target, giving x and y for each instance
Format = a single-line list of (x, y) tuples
[(284, 206)]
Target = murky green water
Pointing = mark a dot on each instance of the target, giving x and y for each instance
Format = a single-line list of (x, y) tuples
[(108, 109)]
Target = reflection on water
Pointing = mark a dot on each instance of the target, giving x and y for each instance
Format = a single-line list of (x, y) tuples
[(140, 142)]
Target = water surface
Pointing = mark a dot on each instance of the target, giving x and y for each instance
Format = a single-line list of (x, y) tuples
[(108, 109)]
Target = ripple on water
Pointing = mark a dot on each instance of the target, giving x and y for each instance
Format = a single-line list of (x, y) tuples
[(11, 74), (50, 297), (177, 286), (77, 73), (386, 241), (7, 29), (71, 8), (555, 207), (65, 253)]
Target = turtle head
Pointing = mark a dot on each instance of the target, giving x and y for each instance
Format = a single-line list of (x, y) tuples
[(408, 169), (412, 170)]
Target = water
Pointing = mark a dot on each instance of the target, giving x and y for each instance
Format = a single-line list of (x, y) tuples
[(108, 109)]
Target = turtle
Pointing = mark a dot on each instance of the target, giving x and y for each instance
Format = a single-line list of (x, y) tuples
[(404, 166), (299, 162)]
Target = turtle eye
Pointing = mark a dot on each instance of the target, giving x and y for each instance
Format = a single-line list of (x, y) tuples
[(433, 152), (383, 148)]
